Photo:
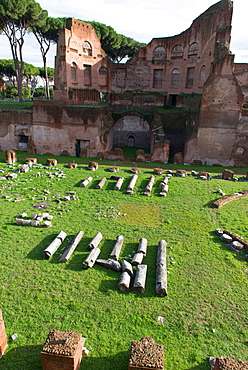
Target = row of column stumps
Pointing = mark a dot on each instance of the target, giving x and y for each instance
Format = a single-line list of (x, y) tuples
[(130, 188), (125, 267)]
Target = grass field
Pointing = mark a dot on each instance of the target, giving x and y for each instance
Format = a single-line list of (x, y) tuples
[(205, 312)]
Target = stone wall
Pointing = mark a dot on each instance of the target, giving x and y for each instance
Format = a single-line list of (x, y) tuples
[(170, 65), (15, 129), (219, 116)]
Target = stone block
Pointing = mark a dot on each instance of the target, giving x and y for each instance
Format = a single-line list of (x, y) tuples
[(178, 158), (62, 351), (3, 337), (227, 363), (31, 161), (72, 165), (161, 152), (51, 162), (227, 175), (93, 166), (146, 355)]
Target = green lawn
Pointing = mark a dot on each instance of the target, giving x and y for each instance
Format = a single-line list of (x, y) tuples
[(205, 312)]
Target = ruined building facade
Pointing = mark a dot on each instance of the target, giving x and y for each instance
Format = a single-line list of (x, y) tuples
[(166, 72)]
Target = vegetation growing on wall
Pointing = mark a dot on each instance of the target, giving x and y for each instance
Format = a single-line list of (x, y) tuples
[(191, 101)]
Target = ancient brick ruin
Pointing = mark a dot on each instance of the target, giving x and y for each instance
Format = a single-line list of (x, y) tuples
[(194, 69)]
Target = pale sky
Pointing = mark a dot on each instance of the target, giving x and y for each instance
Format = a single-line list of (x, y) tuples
[(141, 20)]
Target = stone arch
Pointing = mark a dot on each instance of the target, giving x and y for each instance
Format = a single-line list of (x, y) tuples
[(132, 130), (203, 73), (73, 72), (87, 48), (177, 52), (159, 53), (193, 49)]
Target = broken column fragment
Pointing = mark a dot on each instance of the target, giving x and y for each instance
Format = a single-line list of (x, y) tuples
[(95, 241), (161, 271), (70, 249), (56, 243), (164, 190), (91, 258), (125, 278), (110, 264), (140, 279), (149, 186), (119, 183), (131, 184), (101, 183), (117, 248), (86, 182), (141, 252)]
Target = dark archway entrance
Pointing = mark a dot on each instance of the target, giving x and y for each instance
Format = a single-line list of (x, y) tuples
[(131, 141), (133, 131)]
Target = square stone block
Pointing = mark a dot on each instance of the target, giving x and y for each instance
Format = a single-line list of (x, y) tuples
[(62, 351), (3, 337), (146, 355)]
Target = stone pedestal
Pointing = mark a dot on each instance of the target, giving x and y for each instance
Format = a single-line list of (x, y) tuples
[(31, 161), (227, 175), (146, 355), (227, 363), (62, 351), (51, 162), (10, 156), (3, 337), (72, 165)]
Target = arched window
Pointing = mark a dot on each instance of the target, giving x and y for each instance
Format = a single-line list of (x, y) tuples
[(87, 49), (175, 77), (193, 49), (103, 71), (177, 52), (159, 53), (203, 72), (73, 72)]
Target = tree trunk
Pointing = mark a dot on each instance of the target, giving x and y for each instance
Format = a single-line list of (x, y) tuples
[(132, 184), (119, 183), (51, 249), (46, 79), (124, 282), (161, 271), (95, 241), (91, 258), (68, 252), (101, 183), (140, 279), (117, 248)]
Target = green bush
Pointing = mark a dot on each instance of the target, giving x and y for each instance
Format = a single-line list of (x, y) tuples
[(12, 92), (40, 92)]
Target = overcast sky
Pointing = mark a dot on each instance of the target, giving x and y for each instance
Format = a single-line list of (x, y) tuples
[(139, 19)]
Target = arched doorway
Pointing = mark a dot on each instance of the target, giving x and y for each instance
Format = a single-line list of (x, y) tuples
[(131, 141), (132, 130)]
